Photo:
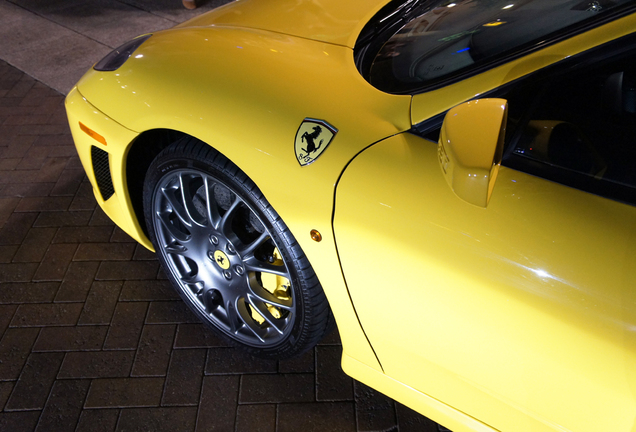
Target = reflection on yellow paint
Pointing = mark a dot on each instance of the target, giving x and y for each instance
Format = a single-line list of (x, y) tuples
[(494, 24)]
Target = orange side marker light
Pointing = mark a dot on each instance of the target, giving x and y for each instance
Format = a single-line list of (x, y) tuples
[(91, 133), (315, 235)]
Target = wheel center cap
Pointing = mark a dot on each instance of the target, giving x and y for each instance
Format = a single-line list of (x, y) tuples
[(221, 260)]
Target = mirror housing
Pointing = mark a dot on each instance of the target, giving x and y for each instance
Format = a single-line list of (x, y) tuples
[(471, 147)]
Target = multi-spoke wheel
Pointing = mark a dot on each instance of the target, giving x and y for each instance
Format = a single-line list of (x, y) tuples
[(229, 255)]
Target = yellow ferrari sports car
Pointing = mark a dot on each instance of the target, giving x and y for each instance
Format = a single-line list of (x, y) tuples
[(450, 183)]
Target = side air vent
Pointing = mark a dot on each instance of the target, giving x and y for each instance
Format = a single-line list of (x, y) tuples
[(102, 172)]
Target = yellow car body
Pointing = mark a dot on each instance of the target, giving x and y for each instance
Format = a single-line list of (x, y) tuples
[(515, 316)]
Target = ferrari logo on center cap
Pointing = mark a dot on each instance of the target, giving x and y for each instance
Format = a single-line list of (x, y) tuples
[(221, 260), (312, 139)]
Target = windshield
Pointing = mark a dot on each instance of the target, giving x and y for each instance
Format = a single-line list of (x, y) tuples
[(447, 37)]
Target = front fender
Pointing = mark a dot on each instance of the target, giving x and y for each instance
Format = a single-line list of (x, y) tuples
[(245, 93)]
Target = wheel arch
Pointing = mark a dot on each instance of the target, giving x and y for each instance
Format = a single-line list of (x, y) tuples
[(142, 151), (323, 257)]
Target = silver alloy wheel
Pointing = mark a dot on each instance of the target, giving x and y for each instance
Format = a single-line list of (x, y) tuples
[(223, 258)]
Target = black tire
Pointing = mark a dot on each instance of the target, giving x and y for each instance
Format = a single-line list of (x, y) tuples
[(234, 262)]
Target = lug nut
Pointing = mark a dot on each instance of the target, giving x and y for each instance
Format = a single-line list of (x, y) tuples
[(239, 270), (211, 255), (230, 248), (214, 240), (227, 275)]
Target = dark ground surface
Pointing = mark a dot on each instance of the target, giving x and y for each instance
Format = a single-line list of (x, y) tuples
[(94, 339)]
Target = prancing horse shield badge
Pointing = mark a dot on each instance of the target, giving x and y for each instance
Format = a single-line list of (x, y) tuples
[(312, 139)]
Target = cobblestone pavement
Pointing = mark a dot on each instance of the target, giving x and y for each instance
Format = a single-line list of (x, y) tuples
[(94, 339)]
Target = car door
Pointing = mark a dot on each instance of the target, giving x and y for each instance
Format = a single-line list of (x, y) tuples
[(521, 314)]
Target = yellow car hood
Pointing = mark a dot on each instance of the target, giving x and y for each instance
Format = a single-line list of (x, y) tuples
[(331, 21)]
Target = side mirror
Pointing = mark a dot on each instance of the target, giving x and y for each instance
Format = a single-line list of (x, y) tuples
[(471, 146)]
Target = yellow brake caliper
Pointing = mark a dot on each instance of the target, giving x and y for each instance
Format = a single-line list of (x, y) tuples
[(279, 286)]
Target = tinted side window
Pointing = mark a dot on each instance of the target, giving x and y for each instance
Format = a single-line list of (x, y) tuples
[(415, 44), (579, 129)]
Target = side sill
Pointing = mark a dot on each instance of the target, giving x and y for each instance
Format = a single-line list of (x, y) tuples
[(432, 408)]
